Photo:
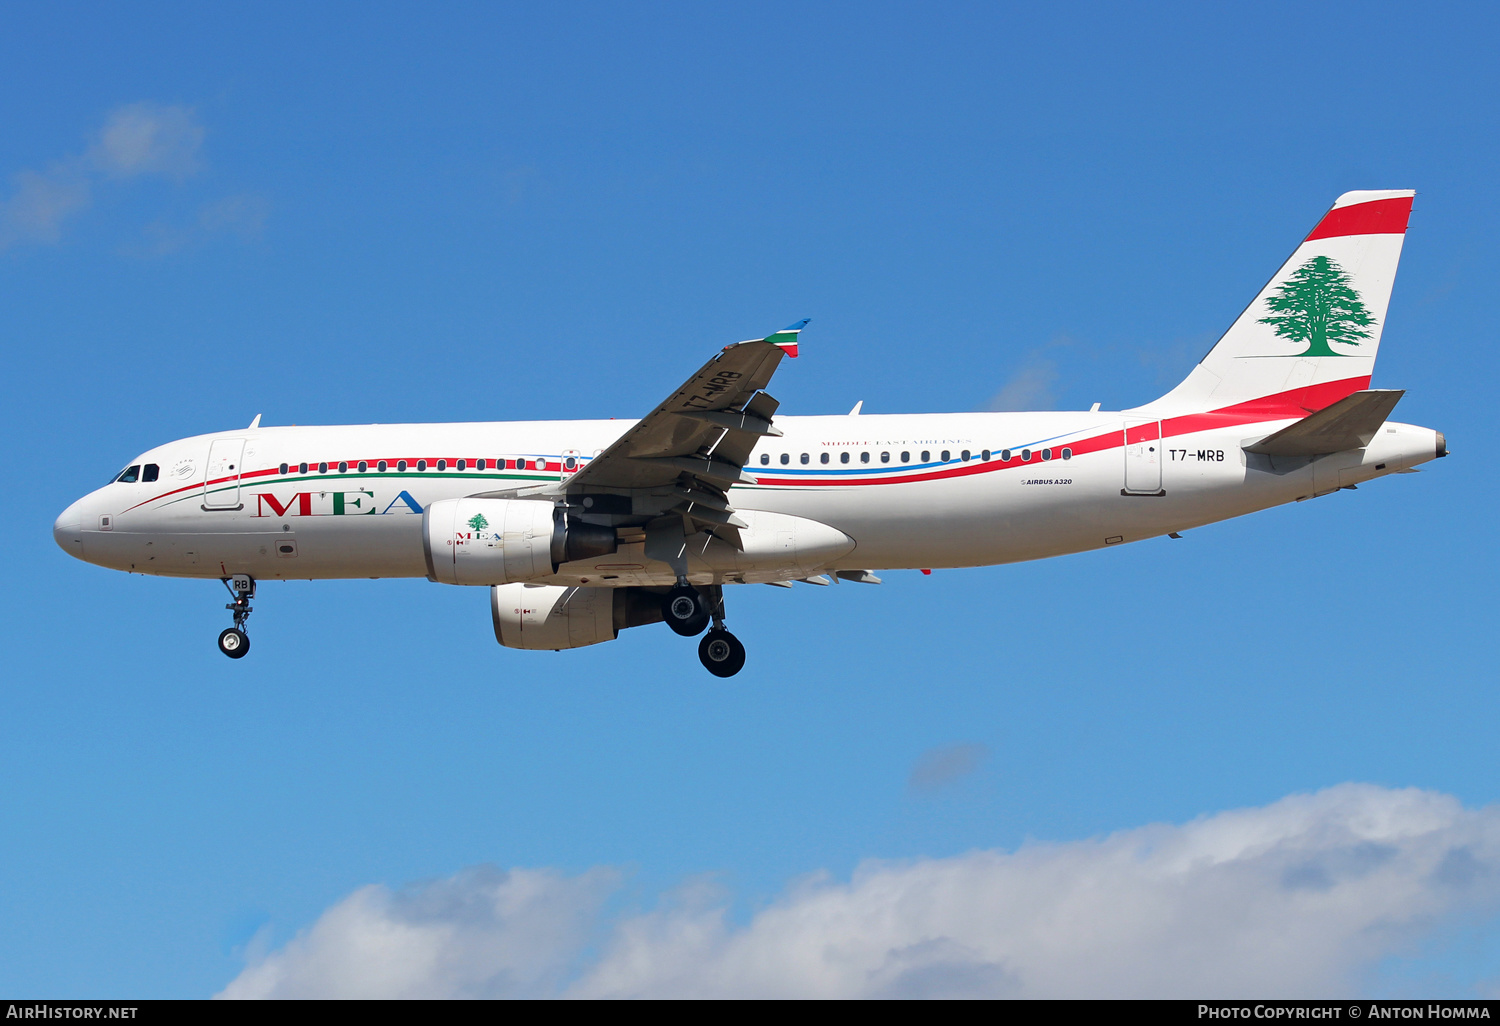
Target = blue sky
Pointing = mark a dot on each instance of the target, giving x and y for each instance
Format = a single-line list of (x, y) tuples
[(403, 213)]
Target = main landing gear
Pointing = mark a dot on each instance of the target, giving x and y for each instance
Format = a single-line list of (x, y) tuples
[(688, 610), (234, 642)]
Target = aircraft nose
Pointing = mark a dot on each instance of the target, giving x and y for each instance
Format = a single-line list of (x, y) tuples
[(67, 531)]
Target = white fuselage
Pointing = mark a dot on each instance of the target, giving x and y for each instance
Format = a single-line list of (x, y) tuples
[(216, 509)]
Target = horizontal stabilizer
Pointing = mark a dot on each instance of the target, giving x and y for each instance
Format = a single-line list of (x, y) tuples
[(1349, 423)]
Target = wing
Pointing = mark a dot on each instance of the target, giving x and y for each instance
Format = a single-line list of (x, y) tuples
[(676, 465), (703, 434)]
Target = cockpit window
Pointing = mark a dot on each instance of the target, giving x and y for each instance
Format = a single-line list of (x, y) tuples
[(150, 472), (130, 475)]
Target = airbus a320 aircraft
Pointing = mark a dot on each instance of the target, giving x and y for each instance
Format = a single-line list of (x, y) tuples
[(582, 528)]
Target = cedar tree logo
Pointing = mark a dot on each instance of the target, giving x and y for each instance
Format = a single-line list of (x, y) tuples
[(478, 523), (1318, 305)]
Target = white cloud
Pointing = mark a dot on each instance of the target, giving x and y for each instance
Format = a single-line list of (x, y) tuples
[(39, 203), (1030, 387), (482, 933), (945, 764), (149, 138), (243, 215), (1301, 897), (138, 139)]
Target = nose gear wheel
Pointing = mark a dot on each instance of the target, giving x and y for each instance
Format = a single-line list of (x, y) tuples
[(234, 643)]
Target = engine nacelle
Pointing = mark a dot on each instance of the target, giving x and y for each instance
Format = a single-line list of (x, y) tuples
[(500, 541), (546, 616)]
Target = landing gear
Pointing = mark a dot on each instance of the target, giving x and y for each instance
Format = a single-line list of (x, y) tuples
[(688, 610), (234, 642), (721, 653), (685, 610)]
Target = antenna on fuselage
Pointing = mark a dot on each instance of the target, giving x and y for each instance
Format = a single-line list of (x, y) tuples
[(254, 423)]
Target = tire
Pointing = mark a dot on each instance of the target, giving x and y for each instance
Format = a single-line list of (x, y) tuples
[(234, 643), (721, 653), (685, 611)]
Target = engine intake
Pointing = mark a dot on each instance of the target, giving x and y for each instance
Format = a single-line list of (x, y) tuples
[(501, 541)]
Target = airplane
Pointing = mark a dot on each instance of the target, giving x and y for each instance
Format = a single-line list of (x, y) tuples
[(583, 528)]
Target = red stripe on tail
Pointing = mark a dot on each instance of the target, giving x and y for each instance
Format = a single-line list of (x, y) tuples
[(1377, 217)]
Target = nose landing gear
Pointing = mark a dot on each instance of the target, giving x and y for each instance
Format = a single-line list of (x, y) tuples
[(234, 642)]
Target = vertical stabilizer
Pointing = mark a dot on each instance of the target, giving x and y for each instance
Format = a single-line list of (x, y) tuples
[(1310, 337)]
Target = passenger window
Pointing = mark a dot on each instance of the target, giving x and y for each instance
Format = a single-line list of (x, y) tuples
[(864, 457), (343, 468), (985, 455), (843, 457), (1025, 455), (322, 468), (130, 475), (1004, 455), (947, 455), (442, 464), (823, 457), (1067, 453), (150, 471), (380, 466), (401, 466), (462, 464), (571, 463), (302, 468), (805, 457), (363, 466), (885, 457), (786, 458), (1046, 454), (964, 455), (905, 456), (479, 464), (926, 455), (421, 464), (765, 459)]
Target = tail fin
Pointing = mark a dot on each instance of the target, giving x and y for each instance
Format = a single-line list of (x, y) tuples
[(1310, 337)]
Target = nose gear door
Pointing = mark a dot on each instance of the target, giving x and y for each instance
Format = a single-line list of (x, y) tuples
[(221, 483)]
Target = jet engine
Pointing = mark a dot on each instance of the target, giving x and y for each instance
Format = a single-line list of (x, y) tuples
[(499, 541), (546, 616)]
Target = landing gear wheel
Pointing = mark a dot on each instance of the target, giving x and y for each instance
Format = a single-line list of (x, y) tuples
[(721, 653), (234, 643), (685, 611)]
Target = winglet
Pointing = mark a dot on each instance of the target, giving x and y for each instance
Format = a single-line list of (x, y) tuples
[(786, 338)]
